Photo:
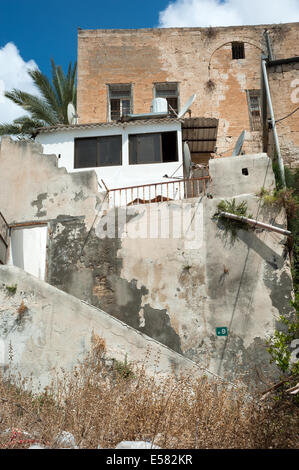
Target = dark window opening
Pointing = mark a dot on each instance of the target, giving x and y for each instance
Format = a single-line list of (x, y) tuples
[(153, 148), (172, 106), (245, 171), (238, 50), (98, 151), (169, 147)]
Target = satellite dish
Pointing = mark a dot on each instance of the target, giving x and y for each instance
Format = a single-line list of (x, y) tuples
[(187, 160), (71, 114), (186, 106), (238, 147)]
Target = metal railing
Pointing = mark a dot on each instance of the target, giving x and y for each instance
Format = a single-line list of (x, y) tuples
[(157, 192)]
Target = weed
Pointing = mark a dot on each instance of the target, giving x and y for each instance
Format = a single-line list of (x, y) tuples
[(230, 226), (210, 32), (210, 85), (183, 413), (22, 309), (123, 369), (12, 289)]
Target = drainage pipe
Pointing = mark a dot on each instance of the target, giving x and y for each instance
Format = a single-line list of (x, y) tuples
[(280, 162), (282, 231)]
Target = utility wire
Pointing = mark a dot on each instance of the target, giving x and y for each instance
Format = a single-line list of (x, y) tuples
[(288, 115)]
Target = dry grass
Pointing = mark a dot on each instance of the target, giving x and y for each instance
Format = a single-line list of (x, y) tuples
[(101, 406)]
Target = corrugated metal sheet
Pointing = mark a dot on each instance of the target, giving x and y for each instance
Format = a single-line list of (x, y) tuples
[(201, 134)]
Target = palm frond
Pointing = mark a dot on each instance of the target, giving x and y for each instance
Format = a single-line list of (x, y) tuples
[(9, 129), (46, 89), (50, 108), (37, 107)]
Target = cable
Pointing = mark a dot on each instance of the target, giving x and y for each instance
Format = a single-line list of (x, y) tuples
[(288, 115)]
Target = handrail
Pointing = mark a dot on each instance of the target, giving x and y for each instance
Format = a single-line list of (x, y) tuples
[(162, 182), (169, 190)]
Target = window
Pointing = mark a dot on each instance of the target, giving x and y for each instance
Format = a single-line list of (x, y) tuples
[(170, 92), (120, 100), (254, 108), (98, 151), (238, 50), (153, 148)]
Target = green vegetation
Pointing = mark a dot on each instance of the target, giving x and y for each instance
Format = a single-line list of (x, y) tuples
[(280, 344), (49, 107), (12, 289), (230, 226), (123, 369), (289, 199)]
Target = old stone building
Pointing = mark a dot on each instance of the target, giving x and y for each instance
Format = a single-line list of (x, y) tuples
[(121, 71)]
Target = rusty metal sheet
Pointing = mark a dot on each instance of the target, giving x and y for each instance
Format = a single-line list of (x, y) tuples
[(201, 134)]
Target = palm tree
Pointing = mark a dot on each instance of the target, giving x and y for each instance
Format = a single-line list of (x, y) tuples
[(50, 108)]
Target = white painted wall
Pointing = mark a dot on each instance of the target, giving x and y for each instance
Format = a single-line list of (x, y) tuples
[(62, 143), (28, 250)]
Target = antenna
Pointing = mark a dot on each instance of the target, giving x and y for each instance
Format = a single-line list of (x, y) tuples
[(187, 160), (71, 114), (186, 106), (239, 144)]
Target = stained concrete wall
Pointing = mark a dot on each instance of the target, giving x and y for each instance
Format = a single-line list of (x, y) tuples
[(33, 188), (164, 269), (169, 271), (55, 333), (200, 60)]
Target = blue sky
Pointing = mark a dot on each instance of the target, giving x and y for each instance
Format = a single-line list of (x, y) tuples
[(42, 30)]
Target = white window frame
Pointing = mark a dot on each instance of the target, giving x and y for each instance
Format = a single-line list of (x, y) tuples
[(176, 95), (121, 98)]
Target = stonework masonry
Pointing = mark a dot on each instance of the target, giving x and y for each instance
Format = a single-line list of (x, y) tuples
[(200, 60)]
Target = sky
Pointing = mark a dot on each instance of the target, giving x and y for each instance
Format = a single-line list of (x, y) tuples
[(33, 31)]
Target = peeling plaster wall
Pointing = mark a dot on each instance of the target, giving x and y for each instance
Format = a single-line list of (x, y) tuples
[(164, 269), (178, 289), (192, 57), (33, 188), (55, 332)]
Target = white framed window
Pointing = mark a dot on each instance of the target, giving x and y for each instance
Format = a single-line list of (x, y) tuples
[(170, 91), (120, 100)]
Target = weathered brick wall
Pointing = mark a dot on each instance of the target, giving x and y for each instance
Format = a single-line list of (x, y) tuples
[(284, 84), (190, 56)]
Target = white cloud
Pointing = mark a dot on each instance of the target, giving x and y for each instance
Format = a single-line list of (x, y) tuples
[(188, 13), (13, 74)]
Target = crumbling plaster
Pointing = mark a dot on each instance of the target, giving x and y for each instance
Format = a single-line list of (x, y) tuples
[(55, 333), (175, 288), (33, 188)]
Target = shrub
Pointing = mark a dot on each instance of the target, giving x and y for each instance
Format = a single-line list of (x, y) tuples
[(230, 226)]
